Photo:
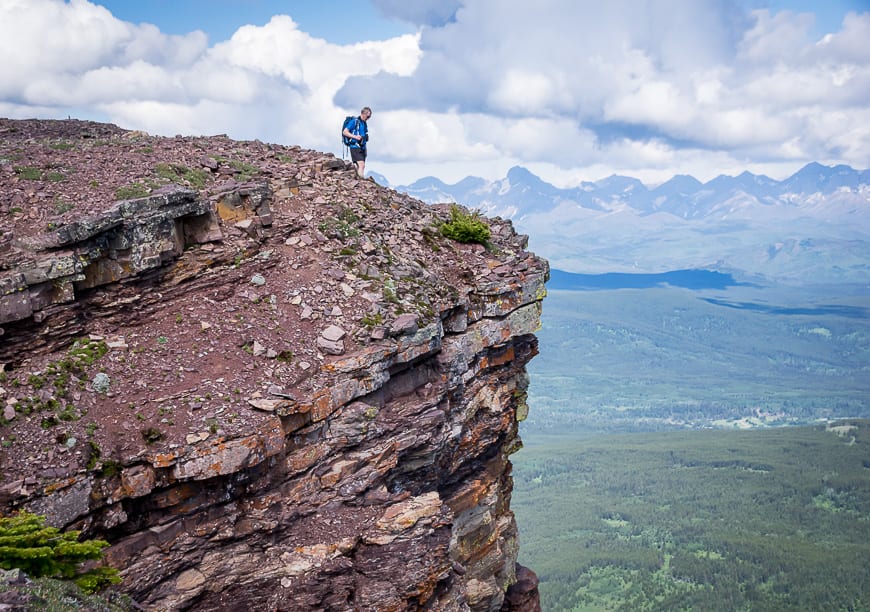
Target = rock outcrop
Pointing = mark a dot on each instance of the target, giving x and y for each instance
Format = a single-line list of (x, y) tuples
[(268, 384)]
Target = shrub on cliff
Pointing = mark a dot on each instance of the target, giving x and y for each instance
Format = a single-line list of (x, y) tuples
[(466, 227), (27, 543)]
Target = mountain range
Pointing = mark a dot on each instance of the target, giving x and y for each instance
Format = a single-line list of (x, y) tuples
[(812, 227)]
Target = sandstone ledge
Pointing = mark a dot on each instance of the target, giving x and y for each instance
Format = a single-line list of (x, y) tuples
[(237, 448)]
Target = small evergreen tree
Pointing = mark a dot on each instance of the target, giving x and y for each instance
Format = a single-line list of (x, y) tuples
[(466, 227), (27, 543)]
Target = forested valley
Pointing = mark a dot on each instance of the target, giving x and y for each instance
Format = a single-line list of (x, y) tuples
[(765, 519)]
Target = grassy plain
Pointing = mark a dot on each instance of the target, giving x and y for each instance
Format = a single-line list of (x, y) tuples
[(767, 519), (666, 357)]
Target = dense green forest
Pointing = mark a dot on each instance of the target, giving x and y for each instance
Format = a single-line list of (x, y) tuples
[(765, 519), (665, 358)]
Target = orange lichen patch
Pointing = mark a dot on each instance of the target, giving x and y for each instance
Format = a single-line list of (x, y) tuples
[(304, 458), (164, 460), (338, 472), (221, 458), (272, 435), (173, 496), (427, 588), (61, 484), (136, 481), (321, 405), (470, 496), (230, 210), (502, 358), (292, 407)]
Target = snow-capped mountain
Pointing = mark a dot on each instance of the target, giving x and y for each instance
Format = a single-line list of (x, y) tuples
[(814, 226)]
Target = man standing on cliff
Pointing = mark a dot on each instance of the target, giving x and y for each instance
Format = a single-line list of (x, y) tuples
[(356, 136)]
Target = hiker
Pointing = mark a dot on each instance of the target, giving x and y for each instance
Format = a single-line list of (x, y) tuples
[(356, 135)]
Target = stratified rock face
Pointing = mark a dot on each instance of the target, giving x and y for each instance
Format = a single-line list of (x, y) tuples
[(287, 393)]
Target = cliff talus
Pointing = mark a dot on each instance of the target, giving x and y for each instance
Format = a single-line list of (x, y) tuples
[(271, 386)]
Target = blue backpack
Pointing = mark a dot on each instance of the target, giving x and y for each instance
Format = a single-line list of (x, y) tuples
[(350, 124)]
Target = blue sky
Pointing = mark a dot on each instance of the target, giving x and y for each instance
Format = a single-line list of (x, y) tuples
[(338, 21), (572, 89), (828, 13), (323, 18)]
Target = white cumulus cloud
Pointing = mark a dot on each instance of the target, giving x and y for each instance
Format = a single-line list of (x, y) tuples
[(272, 82), (574, 88)]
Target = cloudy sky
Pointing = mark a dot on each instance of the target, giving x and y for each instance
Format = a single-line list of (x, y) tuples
[(571, 89)]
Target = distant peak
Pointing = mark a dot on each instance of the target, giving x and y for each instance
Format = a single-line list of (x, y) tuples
[(813, 166), (518, 173), (427, 181), (470, 182), (618, 180), (684, 179), (679, 183)]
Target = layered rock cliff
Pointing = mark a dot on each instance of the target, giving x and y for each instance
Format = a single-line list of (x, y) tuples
[(269, 385)]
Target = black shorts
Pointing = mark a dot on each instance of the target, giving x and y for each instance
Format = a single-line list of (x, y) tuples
[(357, 155)]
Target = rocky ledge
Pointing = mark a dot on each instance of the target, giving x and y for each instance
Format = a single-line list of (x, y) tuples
[(269, 385)]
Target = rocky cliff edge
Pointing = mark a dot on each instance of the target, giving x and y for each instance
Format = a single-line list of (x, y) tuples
[(268, 384)]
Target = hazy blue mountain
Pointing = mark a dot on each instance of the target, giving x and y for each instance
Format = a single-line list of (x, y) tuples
[(813, 226), (680, 185), (757, 185), (675, 195), (521, 191), (612, 191), (431, 189), (470, 184), (815, 177)]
